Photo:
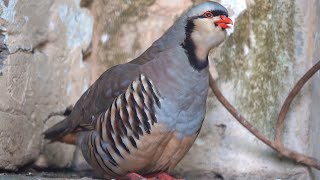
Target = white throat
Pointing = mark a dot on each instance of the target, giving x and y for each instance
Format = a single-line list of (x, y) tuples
[(206, 36)]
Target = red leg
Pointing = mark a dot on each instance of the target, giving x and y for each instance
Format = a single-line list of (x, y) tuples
[(161, 176), (157, 176), (134, 176)]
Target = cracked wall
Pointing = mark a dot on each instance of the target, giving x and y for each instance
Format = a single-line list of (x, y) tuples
[(37, 63)]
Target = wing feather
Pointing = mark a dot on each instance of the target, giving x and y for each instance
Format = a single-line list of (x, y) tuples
[(95, 100)]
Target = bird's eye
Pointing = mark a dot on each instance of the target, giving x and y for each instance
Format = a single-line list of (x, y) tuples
[(208, 14)]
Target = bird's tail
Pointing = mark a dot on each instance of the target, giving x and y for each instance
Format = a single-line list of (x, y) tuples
[(58, 131)]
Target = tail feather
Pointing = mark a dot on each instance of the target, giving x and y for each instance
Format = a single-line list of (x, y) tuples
[(56, 132)]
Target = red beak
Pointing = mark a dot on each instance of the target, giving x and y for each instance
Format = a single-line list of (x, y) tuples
[(223, 22)]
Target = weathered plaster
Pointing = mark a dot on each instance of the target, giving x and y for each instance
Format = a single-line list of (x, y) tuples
[(35, 69), (236, 7), (114, 22), (257, 67), (78, 23), (8, 11), (258, 60)]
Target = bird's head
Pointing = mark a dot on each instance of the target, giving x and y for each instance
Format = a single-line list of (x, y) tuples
[(205, 28), (198, 30), (207, 23)]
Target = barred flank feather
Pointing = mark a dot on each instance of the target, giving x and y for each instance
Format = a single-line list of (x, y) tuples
[(130, 116)]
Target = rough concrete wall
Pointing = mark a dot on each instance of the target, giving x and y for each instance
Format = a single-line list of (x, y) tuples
[(272, 45), (257, 66), (42, 73), (124, 29)]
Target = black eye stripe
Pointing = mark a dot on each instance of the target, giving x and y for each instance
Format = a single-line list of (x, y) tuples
[(215, 13)]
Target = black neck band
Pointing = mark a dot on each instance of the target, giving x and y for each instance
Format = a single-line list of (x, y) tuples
[(190, 48)]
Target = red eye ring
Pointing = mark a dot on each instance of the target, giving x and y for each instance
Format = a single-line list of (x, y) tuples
[(208, 14)]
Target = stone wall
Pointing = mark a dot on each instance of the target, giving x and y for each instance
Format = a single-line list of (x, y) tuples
[(257, 66), (52, 50), (43, 71)]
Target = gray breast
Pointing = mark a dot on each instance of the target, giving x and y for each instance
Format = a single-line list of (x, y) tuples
[(183, 91)]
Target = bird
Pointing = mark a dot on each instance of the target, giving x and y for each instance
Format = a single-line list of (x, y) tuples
[(142, 117)]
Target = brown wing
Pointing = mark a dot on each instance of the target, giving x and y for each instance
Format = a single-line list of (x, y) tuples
[(100, 95), (95, 100)]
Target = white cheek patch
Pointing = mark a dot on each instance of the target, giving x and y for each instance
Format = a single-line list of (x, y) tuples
[(206, 36), (204, 25), (206, 33)]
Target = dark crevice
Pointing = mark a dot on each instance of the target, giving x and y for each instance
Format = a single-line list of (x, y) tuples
[(4, 52), (68, 110), (86, 3)]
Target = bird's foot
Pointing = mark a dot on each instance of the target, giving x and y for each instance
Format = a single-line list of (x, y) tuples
[(157, 176), (161, 176), (134, 176)]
